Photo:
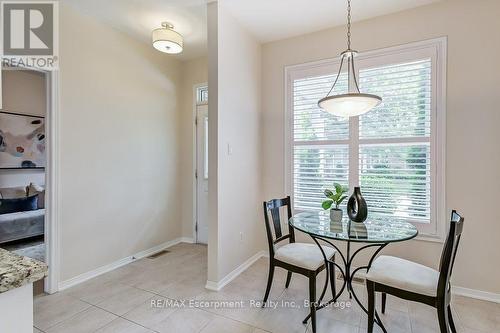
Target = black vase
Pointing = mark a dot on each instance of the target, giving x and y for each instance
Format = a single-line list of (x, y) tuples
[(356, 206)]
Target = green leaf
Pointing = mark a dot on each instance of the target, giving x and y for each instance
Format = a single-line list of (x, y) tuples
[(328, 193), (345, 189), (338, 187), (341, 199), (327, 204)]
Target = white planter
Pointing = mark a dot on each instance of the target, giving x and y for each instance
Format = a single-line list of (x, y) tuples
[(336, 215)]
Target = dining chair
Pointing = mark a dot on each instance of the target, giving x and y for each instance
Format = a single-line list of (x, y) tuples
[(302, 258), (415, 282)]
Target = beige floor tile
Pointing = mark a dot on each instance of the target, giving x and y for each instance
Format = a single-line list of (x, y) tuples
[(120, 325), (423, 318), (477, 315), (343, 311), (53, 309), (125, 301), (156, 280), (244, 309), (396, 321), (225, 325), (84, 322), (185, 321), (96, 290), (327, 325), (152, 312), (187, 289), (285, 318), (393, 303)]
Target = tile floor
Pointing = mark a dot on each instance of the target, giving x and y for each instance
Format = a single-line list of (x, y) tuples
[(121, 302)]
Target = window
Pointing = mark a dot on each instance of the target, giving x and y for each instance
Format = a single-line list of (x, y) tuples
[(394, 152), (202, 95)]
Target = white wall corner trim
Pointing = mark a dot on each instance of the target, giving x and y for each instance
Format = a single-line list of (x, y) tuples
[(119, 263), (477, 294), (216, 286)]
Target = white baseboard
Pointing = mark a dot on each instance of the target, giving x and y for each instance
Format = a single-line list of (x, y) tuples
[(477, 294), (119, 263), (189, 240), (216, 286)]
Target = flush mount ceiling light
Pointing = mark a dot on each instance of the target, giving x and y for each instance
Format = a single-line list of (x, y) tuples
[(165, 39), (354, 103)]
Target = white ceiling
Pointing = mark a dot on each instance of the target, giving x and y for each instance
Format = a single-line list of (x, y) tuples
[(138, 18), (267, 20), (270, 20)]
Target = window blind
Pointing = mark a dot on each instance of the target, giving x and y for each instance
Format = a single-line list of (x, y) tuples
[(395, 176), (406, 100), (318, 158)]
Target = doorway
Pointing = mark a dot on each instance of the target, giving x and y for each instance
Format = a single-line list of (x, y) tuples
[(201, 168), (29, 98)]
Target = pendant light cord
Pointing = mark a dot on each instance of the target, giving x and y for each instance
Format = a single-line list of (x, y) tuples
[(348, 24), (350, 60)]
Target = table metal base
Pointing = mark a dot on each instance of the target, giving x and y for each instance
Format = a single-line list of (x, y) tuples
[(347, 275)]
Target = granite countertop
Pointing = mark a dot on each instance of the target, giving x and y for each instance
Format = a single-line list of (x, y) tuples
[(16, 270)]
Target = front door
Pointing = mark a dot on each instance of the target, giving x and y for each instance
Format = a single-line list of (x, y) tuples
[(202, 174)]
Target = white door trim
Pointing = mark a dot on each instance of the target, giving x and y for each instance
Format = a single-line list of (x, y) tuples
[(52, 179), (195, 157)]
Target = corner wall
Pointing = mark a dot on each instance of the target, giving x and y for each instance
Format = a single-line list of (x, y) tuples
[(237, 212)]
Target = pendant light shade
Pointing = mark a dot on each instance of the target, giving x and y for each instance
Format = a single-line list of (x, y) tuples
[(349, 105), (354, 103), (167, 40)]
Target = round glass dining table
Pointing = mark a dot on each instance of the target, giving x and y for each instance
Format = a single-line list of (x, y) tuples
[(376, 232)]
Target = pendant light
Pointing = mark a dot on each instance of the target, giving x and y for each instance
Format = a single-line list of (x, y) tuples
[(354, 103), (166, 39)]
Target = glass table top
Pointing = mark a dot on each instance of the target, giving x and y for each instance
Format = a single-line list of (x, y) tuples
[(373, 230)]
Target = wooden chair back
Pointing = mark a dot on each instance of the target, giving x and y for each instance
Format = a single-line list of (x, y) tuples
[(272, 208), (449, 252)]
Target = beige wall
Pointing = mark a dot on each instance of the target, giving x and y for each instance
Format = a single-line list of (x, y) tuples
[(239, 225), (193, 72), (473, 155), (119, 145), (23, 92)]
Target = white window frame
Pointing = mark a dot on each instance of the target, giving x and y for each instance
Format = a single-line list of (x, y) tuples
[(435, 49)]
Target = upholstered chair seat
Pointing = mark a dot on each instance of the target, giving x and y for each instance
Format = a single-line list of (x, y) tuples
[(303, 255), (404, 274)]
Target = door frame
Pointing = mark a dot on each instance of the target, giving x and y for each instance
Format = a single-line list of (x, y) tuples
[(52, 178), (195, 157), (52, 184)]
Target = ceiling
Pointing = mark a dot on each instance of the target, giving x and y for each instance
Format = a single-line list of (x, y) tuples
[(270, 20), (267, 20), (138, 18)]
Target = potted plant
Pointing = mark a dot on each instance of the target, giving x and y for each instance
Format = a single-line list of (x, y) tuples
[(335, 198)]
